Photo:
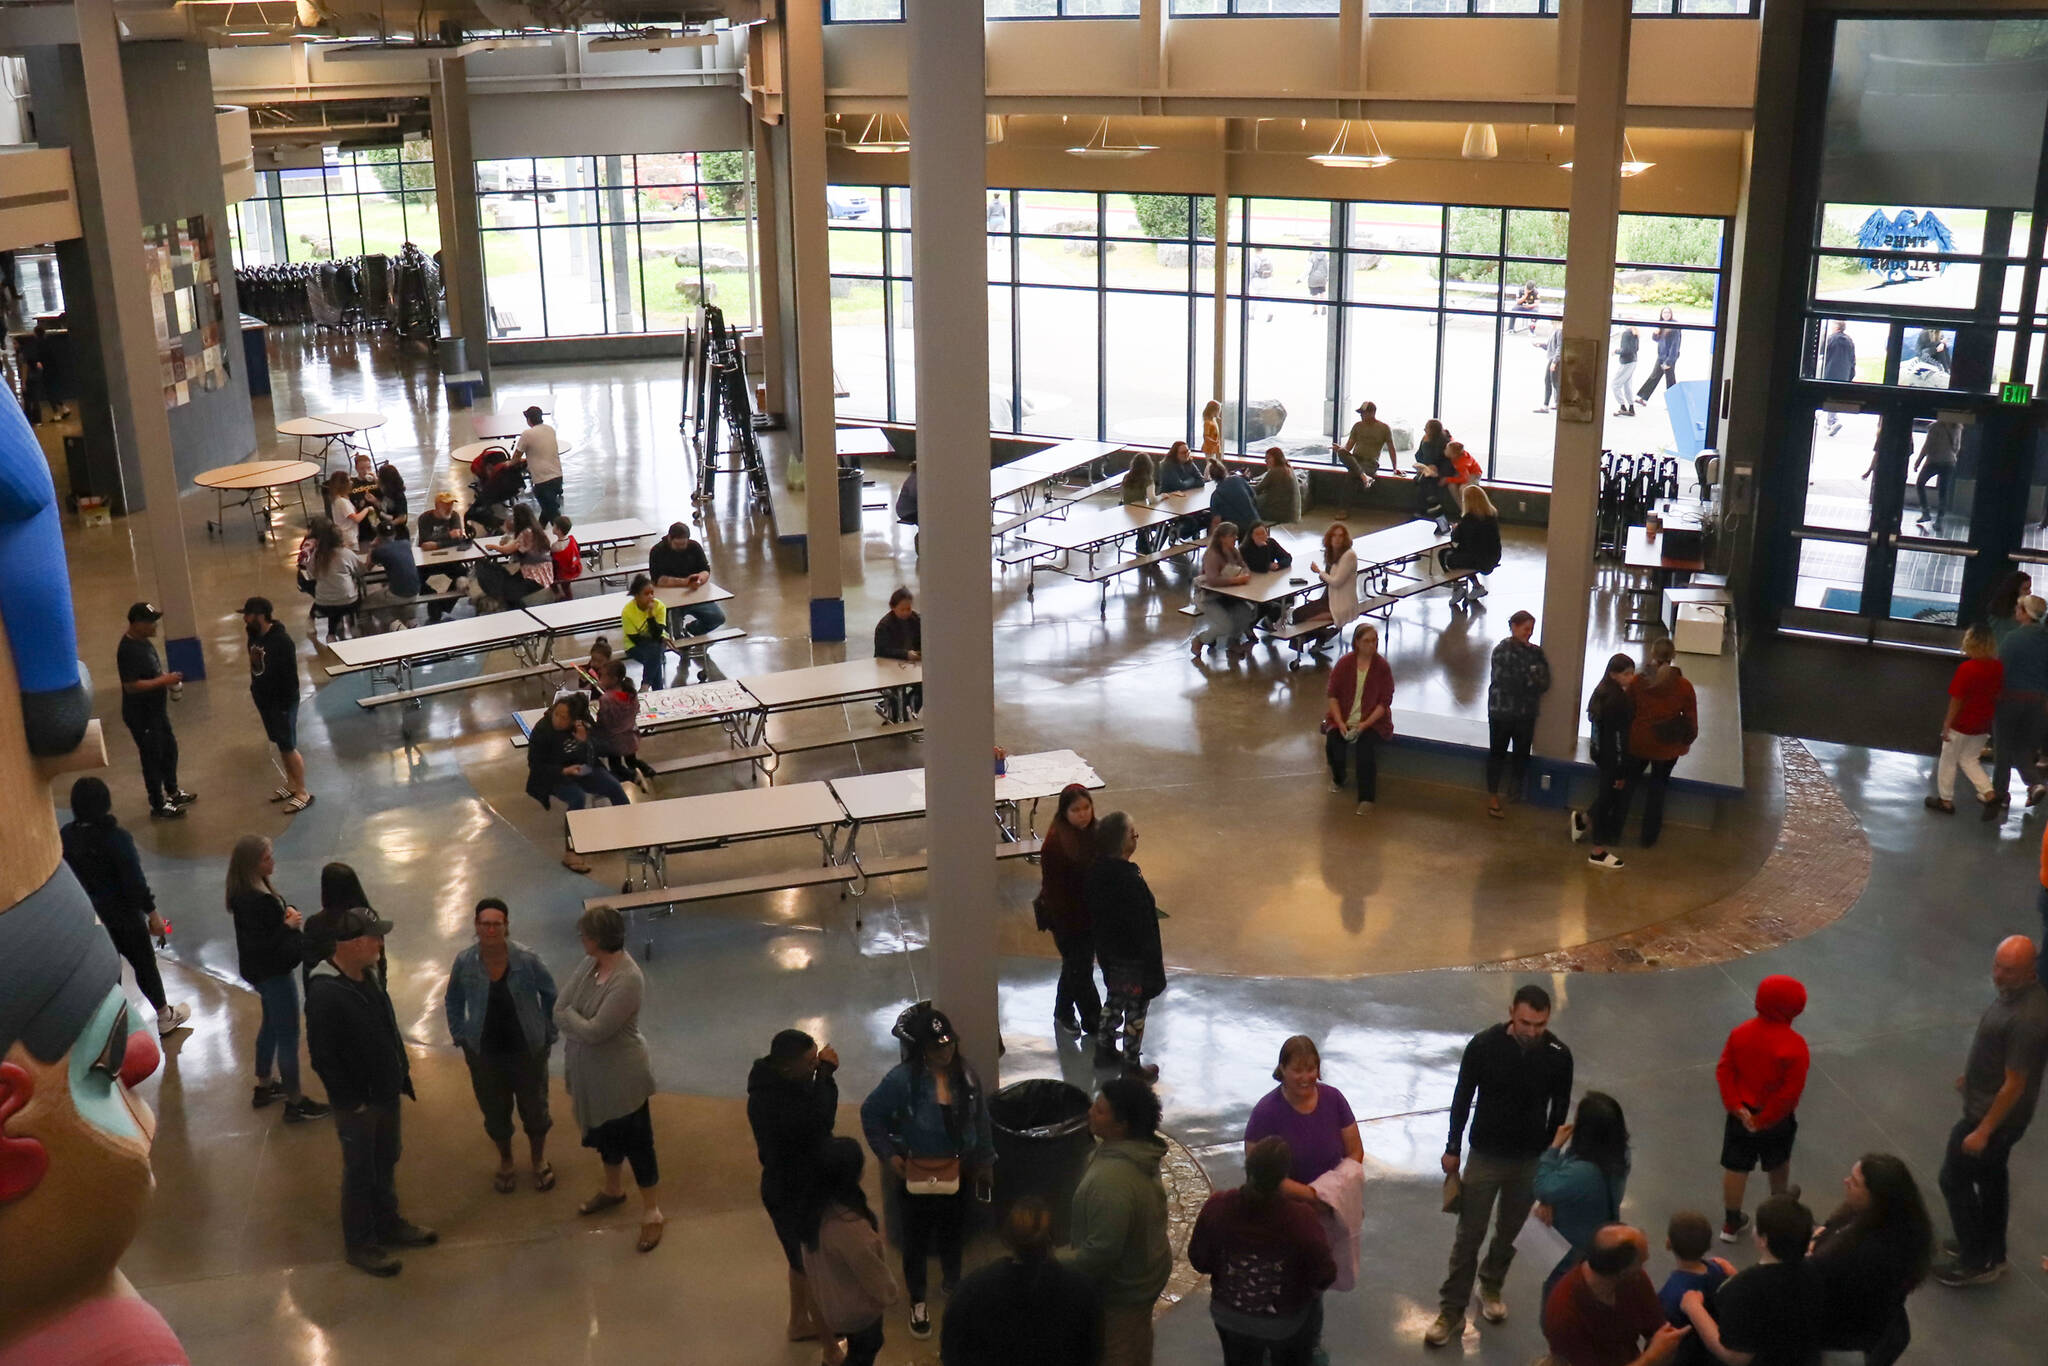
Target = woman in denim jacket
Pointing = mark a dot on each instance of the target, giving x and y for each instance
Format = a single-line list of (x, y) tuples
[(928, 1123), (501, 1013)]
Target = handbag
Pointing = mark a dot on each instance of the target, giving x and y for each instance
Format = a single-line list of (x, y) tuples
[(1675, 730), (931, 1175), (1454, 1194)]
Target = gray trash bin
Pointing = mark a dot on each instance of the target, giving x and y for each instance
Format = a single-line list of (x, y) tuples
[(1042, 1146), (849, 500)]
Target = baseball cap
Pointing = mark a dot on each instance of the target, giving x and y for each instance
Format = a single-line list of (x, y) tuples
[(257, 607), (444, 496), (145, 611), (930, 1028), (2036, 608), (356, 922), (1363, 406), (534, 414)]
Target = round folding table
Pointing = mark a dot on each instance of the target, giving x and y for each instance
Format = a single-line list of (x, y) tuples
[(331, 430), (258, 481)]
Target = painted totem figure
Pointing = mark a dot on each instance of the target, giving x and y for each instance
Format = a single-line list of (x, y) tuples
[(74, 1139)]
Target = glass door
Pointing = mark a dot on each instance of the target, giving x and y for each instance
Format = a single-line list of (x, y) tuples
[(1883, 535)]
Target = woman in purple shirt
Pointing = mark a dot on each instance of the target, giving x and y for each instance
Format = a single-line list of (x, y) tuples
[(1315, 1119)]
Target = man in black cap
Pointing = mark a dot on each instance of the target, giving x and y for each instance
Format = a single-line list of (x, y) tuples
[(352, 1037), (274, 687), (146, 691)]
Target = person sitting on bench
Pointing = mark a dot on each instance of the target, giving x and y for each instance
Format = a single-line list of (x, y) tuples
[(532, 556), (644, 622), (391, 552), (1262, 555), (1433, 465), (1339, 603), (1475, 545), (677, 561), (900, 635), (562, 766), (1231, 500)]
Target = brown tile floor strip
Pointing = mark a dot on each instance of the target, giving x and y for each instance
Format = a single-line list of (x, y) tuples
[(1815, 873)]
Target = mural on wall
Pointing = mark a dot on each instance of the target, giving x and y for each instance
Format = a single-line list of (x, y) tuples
[(184, 304)]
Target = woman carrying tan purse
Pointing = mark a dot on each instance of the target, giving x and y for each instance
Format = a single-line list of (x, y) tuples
[(928, 1124)]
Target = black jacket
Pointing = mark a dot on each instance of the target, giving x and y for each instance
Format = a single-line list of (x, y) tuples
[(1863, 1281), (1013, 1313), (1612, 712), (264, 945), (1126, 920), (548, 752), (1261, 561), (1475, 543), (102, 854), (352, 1037), (273, 668), (896, 637), (790, 1119), (665, 562), (1524, 1094)]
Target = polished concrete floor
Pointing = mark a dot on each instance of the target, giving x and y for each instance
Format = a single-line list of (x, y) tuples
[(1290, 914)]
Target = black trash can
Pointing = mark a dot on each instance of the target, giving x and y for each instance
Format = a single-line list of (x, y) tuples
[(849, 500), (1042, 1146)]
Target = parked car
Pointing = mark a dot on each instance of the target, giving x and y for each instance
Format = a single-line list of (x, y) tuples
[(841, 203)]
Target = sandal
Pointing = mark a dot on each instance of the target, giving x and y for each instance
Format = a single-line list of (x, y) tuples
[(504, 1182), (600, 1202), (298, 804), (650, 1235), (544, 1179), (283, 794)]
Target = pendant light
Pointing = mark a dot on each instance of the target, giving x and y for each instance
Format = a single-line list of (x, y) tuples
[(1481, 143), (1630, 164), (1098, 147), (1367, 155), (882, 134)]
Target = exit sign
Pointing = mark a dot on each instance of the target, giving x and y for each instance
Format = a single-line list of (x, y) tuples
[(2021, 394)]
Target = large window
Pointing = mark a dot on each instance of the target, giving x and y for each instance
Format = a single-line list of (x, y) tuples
[(1060, 9), (863, 11), (370, 200), (601, 245), (1102, 320), (1196, 8)]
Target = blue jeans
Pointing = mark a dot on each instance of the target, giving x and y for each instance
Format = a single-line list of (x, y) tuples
[(699, 620), (277, 1038), (653, 659), (575, 793)]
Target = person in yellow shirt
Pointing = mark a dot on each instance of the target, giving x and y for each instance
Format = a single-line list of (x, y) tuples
[(645, 625)]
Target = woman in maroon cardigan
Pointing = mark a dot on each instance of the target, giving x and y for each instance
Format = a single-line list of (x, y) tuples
[(1360, 714), (1062, 908)]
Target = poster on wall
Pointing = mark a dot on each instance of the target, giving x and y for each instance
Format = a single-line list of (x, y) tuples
[(185, 305), (1578, 375)]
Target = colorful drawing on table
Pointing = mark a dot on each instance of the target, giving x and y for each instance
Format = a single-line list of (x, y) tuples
[(698, 699)]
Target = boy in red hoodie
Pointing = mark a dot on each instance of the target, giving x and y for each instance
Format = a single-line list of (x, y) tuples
[(1762, 1073)]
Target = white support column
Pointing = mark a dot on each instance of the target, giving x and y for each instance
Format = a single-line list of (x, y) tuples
[(1219, 313), (131, 349), (462, 249), (948, 185), (804, 81), (1601, 113)]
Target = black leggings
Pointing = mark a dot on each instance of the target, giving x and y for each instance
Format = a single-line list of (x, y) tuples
[(929, 1220), (1364, 757), (624, 766), (1508, 742), (1076, 991), (130, 933), (1609, 811)]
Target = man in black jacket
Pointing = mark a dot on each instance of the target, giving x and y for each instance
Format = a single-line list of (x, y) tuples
[(792, 1102), (352, 1036), (274, 688), (1523, 1076)]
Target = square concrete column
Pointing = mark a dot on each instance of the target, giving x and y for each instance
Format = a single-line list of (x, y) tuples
[(948, 180), (462, 258), (1598, 125), (803, 26)]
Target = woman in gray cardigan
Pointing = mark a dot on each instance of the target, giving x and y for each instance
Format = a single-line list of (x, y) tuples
[(605, 1062)]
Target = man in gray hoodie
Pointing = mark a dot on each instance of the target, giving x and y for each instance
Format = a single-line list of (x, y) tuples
[(1119, 1226)]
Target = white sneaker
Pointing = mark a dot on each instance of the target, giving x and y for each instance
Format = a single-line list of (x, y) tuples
[(171, 1018), (1336, 786), (1578, 827), (1492, 1307), (1365, 808), (1480, 589), (1605, 860)]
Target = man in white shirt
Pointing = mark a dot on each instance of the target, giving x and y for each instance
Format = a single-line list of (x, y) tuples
[(541, 449)]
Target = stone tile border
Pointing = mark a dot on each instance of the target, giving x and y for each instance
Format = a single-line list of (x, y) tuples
[(1816, 871)]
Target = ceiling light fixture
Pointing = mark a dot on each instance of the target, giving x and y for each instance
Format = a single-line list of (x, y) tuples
[(882, 134), (1630, 165), (1100, 148), (1481, 143), (651, 40), (1368, 155)]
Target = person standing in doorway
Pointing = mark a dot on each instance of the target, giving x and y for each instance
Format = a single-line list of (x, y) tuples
[(500, 1006), (1665, 371), (1937, 464), (352, 1035), (1359, 716), (103, 857), (1837, 364), (274, 688), (1627, 345), (541, 451), (2000, 1085), (1119, 1226), (1762, 1074), (146, 692), (1521, 675), (1361, 449), (1521, 1076)]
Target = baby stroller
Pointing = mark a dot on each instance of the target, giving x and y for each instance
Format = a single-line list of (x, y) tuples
[(498, 481)]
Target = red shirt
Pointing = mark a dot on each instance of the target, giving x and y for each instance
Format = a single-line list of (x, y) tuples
[(1977, 682), (1582, 1331), (568, 560), (1764, 1063)]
